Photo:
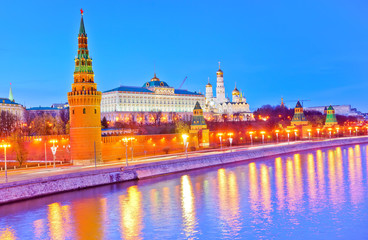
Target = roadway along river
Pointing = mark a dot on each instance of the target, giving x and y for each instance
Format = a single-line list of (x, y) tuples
[(319, 194)]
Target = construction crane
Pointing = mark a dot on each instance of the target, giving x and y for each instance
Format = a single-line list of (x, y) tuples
[(182, 82), (301, 100)]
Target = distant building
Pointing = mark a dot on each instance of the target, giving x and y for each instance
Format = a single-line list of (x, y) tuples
[(44, 110), (345, 110), (60, 105), (9, 105)]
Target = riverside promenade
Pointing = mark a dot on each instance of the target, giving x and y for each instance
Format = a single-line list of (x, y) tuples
[(29, 183)]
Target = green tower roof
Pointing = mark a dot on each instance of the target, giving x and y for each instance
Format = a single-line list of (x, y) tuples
[(11, 98), (82, 30), (330, 108), (197, 106)]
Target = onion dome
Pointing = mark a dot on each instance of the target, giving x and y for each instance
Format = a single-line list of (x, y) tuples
[(220, 72), (236, 91), (155, 78)]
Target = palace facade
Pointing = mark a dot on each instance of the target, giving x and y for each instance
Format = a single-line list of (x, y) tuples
[(154, 99)]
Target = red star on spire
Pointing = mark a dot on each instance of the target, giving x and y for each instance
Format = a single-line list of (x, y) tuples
[(81, 11)]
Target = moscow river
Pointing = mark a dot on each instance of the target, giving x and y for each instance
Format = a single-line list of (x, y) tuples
[(320, 194)]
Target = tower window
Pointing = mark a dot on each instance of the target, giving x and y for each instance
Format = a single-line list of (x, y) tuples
[(83, 80), (95, 111), (73, 111), (83, 89), (84, 111)]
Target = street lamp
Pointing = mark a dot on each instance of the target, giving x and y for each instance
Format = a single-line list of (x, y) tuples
[(185, 142), (277, 135), (263, 133), (295, 133), (125, 140), (350, 130), (131, 143), (318, 132), (54, 148), (337, 131), (154, 149), (5, 146), (356, 131), (329, 129), (309, 133), (251, 137), (230, 140), (220, 137), (288, 134)]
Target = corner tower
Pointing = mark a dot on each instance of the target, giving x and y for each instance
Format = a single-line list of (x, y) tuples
[(299, 117), (84, 103), (330, 117)]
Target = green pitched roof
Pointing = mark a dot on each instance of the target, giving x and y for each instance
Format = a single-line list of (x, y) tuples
[(82, 30), (330, 108), (197, 106)]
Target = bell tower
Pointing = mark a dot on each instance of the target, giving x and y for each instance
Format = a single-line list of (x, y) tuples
[(84, 107)]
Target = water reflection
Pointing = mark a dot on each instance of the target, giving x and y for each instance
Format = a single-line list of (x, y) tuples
[(7, 234), (59, 221), (279, 183), (188, 207), (312, 189), (282, 196), (228, 202), (131, 213)]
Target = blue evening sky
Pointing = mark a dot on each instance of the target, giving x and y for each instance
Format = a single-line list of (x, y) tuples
[(315, 49)]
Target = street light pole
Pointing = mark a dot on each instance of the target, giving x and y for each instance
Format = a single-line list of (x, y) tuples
[(263, 133), (45, 154), (131, 143), (5, 145)]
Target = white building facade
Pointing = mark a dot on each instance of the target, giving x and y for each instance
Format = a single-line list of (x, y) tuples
[(155, 99), (237, 108)]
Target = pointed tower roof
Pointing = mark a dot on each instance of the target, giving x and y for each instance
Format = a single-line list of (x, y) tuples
[(82, 30), (298, 105), (197, 106), (330, 108), (11, 98)]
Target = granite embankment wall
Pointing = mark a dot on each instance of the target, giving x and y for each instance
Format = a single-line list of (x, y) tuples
[(21, 190)]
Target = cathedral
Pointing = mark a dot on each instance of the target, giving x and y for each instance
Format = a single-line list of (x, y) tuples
[(220, 104)]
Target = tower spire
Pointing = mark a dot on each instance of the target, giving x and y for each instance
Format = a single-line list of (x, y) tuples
[(11, 98)]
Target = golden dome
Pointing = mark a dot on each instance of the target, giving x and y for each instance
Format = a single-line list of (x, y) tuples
[(220, 72), (155, 78), (208, 85), (236, 91)]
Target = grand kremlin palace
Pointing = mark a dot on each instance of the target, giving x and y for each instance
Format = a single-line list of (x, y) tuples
[(143, 104)]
